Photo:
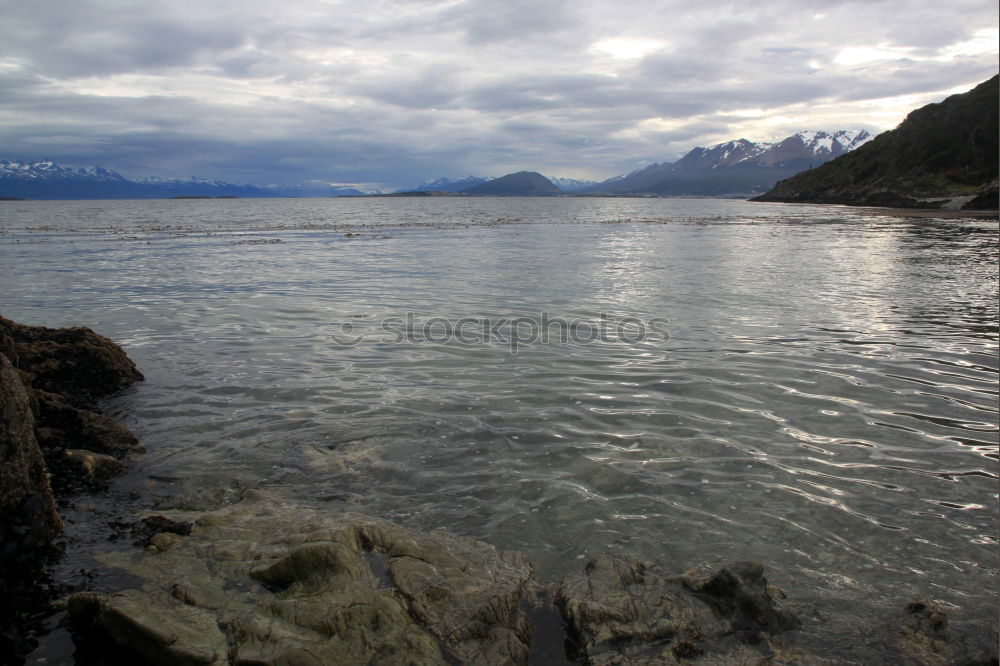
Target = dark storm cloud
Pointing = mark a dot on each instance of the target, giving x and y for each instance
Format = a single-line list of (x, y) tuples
[(398, 91)]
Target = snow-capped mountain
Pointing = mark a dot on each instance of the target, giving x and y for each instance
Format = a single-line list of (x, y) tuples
[(571, 184), (47, 180), (47, 170), (736, 167), (448, 184), (815, 147)]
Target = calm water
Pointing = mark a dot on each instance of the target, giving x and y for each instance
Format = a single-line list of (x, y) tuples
[(807, 386)]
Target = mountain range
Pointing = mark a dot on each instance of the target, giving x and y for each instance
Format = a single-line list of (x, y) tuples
[(734, 168), (942, 154), (47, 180)]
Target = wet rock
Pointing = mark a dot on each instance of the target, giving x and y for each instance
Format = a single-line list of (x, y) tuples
[(91, 468), (740, 592), (75, 362), (261, 582), (927, 639), (66, 371), (28, 519), (168, 525), (65, 426), (622, 611)]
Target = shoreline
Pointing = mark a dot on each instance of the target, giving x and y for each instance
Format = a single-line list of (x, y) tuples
[(270, 554)]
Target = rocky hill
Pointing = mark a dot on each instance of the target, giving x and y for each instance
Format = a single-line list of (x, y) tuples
[(941, 153), (520, 184)]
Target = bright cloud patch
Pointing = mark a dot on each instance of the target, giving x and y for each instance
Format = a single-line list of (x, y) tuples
[(626, 48)]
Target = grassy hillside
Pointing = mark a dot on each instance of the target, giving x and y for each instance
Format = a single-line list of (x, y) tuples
[(940, 150)]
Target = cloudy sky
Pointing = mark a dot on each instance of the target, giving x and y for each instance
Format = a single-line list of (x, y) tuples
[(393, 92)]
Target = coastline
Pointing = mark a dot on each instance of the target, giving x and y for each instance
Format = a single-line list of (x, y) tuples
[(436, 597)]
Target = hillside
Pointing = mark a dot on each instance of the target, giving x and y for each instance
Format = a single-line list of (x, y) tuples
[(939, 152), (520, 184)]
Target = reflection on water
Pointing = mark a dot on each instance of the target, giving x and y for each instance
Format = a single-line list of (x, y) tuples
[(826, 400)]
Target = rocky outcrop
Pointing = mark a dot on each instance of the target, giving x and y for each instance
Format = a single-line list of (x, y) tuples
[(262, 582), (28, 518), (67, 370), (988, 198), (622, 611), (75, 363)]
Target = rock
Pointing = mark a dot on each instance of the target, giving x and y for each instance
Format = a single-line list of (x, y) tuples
[(28, 518), (261, 582), (75, 362), (66, 371), (926, 639), (65, 426), (92, 468), (622, 611), (741, 593), (988, 198)]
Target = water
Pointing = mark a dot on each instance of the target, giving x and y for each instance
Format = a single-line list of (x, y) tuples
[(812, 387)]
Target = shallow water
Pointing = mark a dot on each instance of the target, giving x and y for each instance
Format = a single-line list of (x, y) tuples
[(813, 387)]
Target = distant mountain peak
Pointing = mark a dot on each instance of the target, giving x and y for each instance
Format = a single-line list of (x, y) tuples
[(45, 179), (736, 167), (522, 183)]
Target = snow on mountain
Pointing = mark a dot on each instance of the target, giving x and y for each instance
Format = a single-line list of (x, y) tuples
[(570, 184), (736, 167), (449, 184), (48, 170), (838, 143)]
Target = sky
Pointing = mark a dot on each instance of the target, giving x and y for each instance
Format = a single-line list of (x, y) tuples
[(390, 93)]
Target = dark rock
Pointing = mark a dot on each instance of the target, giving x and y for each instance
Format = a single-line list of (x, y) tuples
[(76, 363), (621, 611), (66, 371), (28, 518), (927, 639), (65, 426), (987, 199), (741, 593)]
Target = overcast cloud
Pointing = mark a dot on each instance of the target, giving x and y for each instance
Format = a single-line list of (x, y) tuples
[(390, 93)]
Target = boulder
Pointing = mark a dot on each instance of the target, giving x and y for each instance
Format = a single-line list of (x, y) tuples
[(75, 362), (66, 371), (926, 638), (261, 582), (625, 612), (28, 518)]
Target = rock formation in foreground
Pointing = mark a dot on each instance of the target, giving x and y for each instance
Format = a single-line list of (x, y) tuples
[(269, 583), (28, 518), (51, 439), (67, 371), (262, 582), (944, 152)]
